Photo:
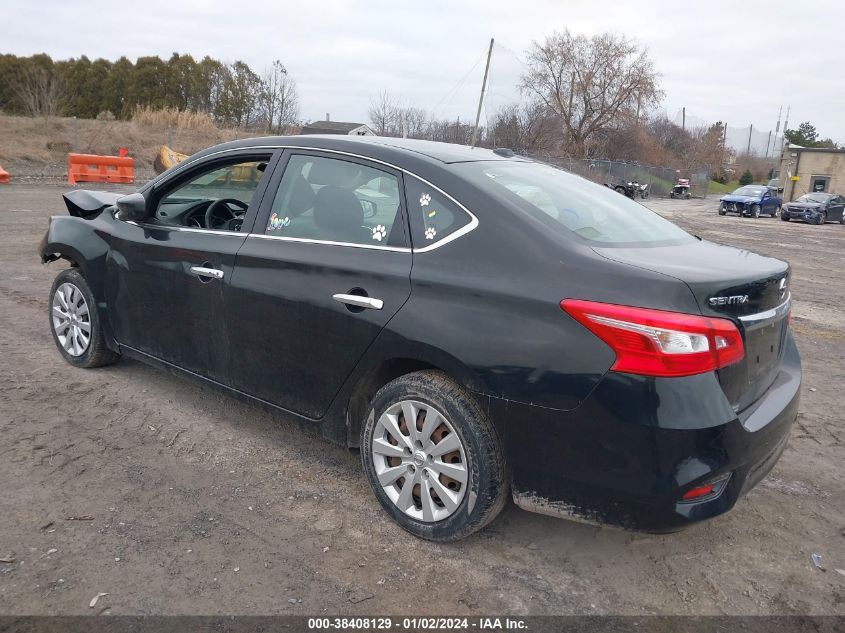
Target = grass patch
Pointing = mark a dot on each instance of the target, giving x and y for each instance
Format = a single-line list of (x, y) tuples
[(717, 187)]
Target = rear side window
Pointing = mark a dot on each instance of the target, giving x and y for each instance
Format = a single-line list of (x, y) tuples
[(569, 205), (434, 216), (333, 200)]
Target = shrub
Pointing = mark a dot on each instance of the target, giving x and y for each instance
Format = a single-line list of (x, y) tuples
[(746, 179), (173, 118)]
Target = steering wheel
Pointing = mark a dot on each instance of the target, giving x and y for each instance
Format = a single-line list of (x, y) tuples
[(215, 210)]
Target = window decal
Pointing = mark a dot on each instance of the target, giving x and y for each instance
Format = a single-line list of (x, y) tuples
[(379, 232), (277, 223), (424, 200), (430, 232)]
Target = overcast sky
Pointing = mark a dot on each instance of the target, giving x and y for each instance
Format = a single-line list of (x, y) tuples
[(734, 61)]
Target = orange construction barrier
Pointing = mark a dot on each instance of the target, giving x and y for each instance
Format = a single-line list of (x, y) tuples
[(93, 168), (4, 176)]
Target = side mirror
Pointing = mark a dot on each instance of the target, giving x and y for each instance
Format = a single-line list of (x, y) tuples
[(132, 208)]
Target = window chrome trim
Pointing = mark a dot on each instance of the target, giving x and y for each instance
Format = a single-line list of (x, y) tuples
[(473, 223), (305, 240), (185, 229), (762, 318)]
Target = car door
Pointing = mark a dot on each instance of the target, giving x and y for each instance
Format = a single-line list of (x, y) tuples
[(326, 267), (836, 209), (166, 276), (768, 203)]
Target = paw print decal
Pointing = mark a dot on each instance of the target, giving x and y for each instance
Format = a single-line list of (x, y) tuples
[(424, 200), (430, 233), (379, 233)]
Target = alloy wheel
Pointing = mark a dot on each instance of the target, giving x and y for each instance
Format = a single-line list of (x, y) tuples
[(420, 461), (71, 319)]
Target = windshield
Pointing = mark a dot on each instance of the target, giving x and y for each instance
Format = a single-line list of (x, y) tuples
[(749, 191), (809, 197), (571, 205)]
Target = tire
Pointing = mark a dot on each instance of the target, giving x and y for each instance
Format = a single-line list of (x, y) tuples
[(479, 453), (72, 305), (784, 215), (755, 211), (777, 211), (722, 211)]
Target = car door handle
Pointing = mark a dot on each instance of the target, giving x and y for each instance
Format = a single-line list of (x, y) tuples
[(201, 271), (359, 301)]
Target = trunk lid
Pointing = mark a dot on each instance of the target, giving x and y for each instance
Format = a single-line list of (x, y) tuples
[(750, 289)]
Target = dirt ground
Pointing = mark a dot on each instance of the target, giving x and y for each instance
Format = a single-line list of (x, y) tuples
[(188, 502)]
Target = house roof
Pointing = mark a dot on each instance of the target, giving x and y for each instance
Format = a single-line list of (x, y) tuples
[(330, 127)]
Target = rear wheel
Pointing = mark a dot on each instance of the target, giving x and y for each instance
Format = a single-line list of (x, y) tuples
[(75, 323), (432, 457), (620, 189)]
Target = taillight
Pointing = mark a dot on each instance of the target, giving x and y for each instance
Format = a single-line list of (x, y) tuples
[(659, 343), (699, 491)]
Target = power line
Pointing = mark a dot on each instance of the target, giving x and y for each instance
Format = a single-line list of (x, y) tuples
[(451, 94)]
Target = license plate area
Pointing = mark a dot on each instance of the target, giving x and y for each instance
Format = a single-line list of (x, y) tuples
[(763, 344)]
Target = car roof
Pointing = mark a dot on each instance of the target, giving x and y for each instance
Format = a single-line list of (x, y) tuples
[(441, 152)]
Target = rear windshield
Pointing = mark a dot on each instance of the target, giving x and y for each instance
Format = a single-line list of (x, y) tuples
[(571, 205)]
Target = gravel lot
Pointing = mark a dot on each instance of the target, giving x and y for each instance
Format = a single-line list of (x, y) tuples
[(194, 503)]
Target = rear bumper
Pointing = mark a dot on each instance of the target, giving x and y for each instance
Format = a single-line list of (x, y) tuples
[(627, 454)]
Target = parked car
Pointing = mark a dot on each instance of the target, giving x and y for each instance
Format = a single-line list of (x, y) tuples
[(477, 325), (774, 185), (815, 208), (751, 200)]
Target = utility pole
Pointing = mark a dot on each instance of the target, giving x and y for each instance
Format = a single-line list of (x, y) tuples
[(785, 128), (750, 130), (684, 118), (768, 141), (481, 96)]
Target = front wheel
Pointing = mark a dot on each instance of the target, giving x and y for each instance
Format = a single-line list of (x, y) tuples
[(75, 323), (784, 215), (755, 211), (432, 457)]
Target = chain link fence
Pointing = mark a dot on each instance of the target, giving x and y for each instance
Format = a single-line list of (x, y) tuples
[(660, 180)]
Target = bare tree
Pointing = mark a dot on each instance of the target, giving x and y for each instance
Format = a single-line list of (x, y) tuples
[(590, 83), (278, 99), (385, 115), (40, 90), (525, 127)]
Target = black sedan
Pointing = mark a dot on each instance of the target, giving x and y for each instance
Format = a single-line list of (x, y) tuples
[(815, 208), (477, 324)]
